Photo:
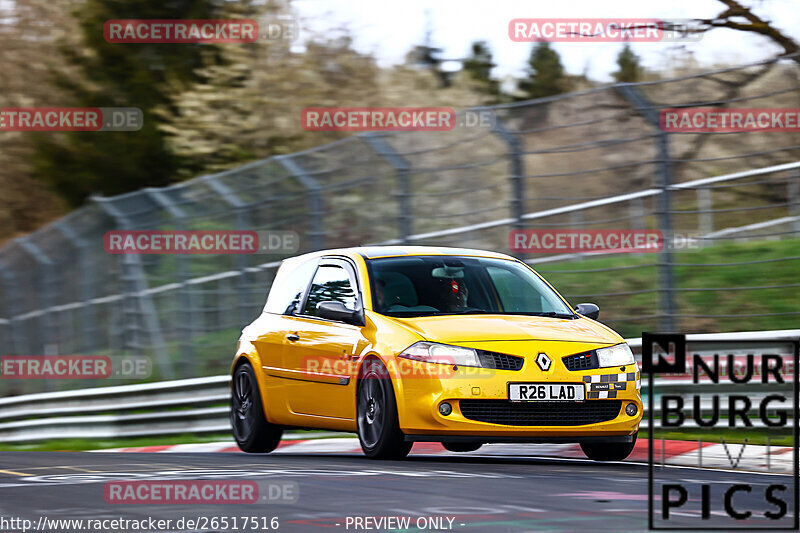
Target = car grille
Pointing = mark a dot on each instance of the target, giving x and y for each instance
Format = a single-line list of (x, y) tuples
[(540, 413), (500, 361), (581, 361)]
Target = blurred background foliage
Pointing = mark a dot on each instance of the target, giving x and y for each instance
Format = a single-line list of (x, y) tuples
[(207, 107), (211, 107)]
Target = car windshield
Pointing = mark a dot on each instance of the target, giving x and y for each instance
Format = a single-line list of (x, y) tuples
[(450, 285)]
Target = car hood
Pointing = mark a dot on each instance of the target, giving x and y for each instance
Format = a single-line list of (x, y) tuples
[(478, 328)]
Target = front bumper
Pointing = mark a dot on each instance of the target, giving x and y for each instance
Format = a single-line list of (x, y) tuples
[(421, 391), (511, 439)]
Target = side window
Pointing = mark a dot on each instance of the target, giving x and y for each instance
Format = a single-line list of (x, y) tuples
[(331, 283), (289, 286)]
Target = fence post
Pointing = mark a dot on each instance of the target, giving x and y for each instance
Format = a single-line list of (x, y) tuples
[(239, 207), (637, 214), (186, 327), (666, 277), (7, 347), (133, 273), (403, 194), (578, 221), (46, 326), (516, 174), (705, 214), (768, 455), (45, 266), (11, 297), (317, 232), (793, 186), (86, 282), (700, 452)]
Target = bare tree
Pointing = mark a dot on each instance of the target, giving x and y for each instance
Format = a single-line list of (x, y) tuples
[(735, 16)]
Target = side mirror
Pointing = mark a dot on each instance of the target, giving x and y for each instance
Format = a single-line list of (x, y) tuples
[(588, 310), (333, 310)]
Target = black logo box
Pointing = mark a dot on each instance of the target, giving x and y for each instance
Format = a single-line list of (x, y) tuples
[(666, 341)]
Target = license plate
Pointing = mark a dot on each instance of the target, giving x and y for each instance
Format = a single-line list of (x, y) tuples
[(546, 392)]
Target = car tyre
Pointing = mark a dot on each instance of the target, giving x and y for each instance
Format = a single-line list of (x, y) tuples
[(462, 446), (252, 431), (376, 413), (609, 451)]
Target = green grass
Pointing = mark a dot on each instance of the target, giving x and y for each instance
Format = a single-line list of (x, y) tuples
[(210, 353), (101, 444), (755, 437), (75, 445), (623, 312)]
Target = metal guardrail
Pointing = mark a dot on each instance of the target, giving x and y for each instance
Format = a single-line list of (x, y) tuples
[(198, 405)]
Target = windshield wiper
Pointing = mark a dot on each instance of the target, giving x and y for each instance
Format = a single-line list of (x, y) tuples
[(553, 314), (547, 314), (414, 314)]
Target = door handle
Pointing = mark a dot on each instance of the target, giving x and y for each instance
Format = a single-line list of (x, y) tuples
[(293, 337)]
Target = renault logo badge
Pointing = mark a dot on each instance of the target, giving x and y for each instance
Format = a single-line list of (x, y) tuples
[(543, 361)]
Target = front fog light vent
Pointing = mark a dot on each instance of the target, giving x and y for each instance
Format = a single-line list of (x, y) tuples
[(445, 408)]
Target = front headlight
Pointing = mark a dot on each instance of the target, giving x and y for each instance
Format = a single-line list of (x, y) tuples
[(619, 355), (444, 354)]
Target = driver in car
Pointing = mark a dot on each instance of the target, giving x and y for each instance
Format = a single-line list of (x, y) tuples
[(454, 295), (379, 298)]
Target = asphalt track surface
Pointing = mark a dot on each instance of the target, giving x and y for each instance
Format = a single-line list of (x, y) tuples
[(479, 493)]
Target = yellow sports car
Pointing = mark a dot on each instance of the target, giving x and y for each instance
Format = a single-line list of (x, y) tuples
[(405, 344)]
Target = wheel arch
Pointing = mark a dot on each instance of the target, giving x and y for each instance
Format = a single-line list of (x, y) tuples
[(251, 357), (397, 383)]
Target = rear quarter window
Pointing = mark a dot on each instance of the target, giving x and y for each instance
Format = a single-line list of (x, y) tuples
[(289, 285)]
